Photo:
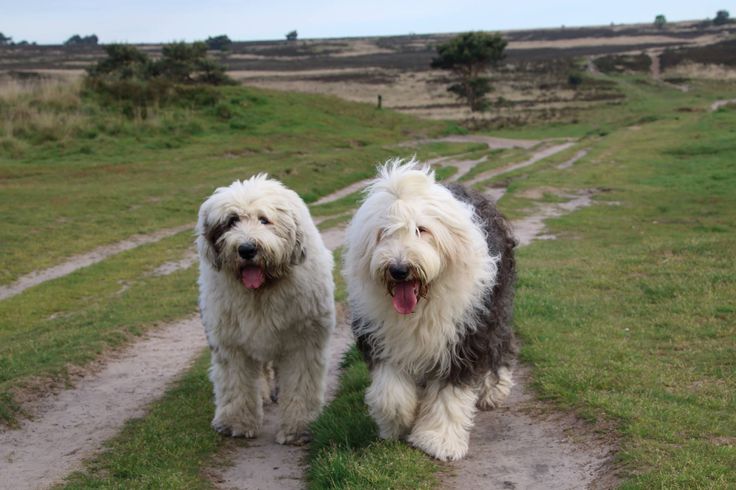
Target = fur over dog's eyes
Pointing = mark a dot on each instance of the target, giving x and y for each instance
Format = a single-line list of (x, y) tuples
[(263, 220), (421, 230), (232, 220)]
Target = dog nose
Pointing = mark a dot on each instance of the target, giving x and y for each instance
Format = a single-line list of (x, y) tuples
[(247, 250), (398, 272)]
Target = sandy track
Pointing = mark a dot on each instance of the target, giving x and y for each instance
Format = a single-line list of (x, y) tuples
[(265, 465), (577, 156), (83, 260), (721, 103), (511, 449), (492, 142), (464, 166), (537, 156), (73, 424)]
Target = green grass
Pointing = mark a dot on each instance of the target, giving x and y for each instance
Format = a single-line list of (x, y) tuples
[(346, 451), (497, 158), (168, 448), (73, 320), (630, 316), (62, 197), (137, 176)]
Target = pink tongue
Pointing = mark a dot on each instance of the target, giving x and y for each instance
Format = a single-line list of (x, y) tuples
[(252, 277), (405, 299)]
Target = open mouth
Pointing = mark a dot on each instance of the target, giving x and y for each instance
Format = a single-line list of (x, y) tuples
[(252, 276), (405, 296)]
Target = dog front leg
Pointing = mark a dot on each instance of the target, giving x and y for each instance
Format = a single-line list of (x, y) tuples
[(442, 429), (238, 404), (301, 381), (391, 400)]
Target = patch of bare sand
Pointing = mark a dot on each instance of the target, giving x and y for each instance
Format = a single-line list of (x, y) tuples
[(569, 163), (530, 228), (520, 446), (84, 260), (72, 425), (492, 141), (721, 103)]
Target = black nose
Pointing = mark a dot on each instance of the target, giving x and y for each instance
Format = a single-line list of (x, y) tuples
[(247, 250), (398, 272)]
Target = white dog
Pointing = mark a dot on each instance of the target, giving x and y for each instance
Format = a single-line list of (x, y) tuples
[(266, 296), (430, 272)]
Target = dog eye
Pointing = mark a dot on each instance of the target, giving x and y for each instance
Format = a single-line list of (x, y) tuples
[(263, 220), (421, 230), (232, 220)]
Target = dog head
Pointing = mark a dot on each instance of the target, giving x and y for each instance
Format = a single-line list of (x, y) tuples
[(252, 231), (409, 233)]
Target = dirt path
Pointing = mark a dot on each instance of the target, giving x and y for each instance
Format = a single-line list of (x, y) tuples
[(72, 425), (569, 163), (265, 465), (79, 261), (537, 156), (721, 103), (492, 142), (512, 449), (531, 227), (655, 66)]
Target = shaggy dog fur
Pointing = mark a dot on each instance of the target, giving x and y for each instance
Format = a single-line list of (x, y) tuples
[(430, 276), (266, 299)]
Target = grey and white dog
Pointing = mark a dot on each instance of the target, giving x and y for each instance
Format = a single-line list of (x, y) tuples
[(430, 276)]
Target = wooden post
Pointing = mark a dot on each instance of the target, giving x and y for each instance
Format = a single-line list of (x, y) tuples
[(380, 101)]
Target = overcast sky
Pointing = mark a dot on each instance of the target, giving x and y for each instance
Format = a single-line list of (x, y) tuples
[(53, 21)]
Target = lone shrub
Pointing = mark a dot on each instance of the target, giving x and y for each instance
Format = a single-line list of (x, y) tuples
[(469, 56), (218, 43), (77, 40)]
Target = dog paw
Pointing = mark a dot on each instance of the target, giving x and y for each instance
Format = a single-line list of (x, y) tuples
[(293, 438), (439, 446), (235, 430)]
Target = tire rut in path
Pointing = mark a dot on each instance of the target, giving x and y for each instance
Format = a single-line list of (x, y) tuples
[(86, 259), (511, 449), (73, 424)]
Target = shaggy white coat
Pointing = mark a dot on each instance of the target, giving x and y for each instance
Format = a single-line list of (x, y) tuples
[(286, 322), (407, 216)]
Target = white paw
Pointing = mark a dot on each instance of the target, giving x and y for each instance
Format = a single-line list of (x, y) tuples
[(444, 447), (235, 429), (293, 438)]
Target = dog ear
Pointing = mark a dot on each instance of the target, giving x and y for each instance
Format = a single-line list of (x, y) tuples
[(299, 253), (212, 232)]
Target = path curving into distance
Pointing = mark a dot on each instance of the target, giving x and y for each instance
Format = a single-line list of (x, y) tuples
[(86, 259)]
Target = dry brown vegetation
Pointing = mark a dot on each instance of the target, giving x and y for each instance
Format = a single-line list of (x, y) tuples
[(533, 84)]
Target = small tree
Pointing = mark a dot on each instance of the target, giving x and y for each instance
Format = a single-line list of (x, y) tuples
[(722, 17), (291, 36), (468, 56), (77, 40), (123, 62), (660, 21), (5, 40), (218, 43)]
